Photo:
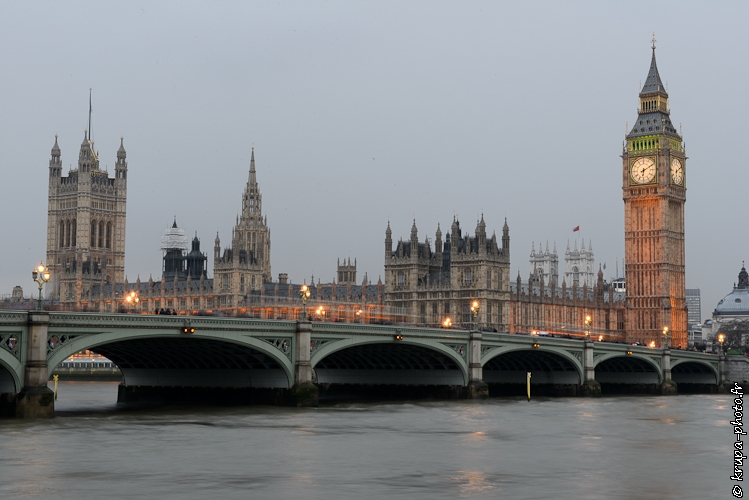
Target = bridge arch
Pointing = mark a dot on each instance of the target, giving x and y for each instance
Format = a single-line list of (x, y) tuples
[(690, 371), (548, 365), (173, 359), (623, 368), (11, 373), (386, 361)]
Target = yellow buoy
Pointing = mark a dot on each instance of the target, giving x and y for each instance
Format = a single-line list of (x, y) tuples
[(528, 384)]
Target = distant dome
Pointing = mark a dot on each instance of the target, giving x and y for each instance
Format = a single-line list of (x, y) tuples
[(735, 303)]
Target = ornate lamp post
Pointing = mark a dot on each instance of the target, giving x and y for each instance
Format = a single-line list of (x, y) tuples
[(475, 311), (447, 323), (40, 274), (304, 294), (588, 322), (665, 337), (132, 299), (721, 339)]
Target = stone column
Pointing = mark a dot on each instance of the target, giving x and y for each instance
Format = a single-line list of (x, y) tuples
[(590, 386), (477, 388), (668, 387), (36, 399), (722, 370), (303, 392)]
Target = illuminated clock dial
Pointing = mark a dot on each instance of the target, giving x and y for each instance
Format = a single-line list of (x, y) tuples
[(642, 170), (677, 171)]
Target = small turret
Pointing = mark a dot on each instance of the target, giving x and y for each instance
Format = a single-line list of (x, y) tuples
[(506, 239), (388, 242)]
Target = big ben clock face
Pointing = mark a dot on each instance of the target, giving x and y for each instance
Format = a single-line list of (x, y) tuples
[(677, 171), (642, 171)]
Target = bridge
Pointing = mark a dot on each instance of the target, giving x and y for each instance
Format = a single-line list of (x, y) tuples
[(288, 362)]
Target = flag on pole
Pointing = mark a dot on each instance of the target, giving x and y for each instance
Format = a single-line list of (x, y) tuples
[(577, 228)]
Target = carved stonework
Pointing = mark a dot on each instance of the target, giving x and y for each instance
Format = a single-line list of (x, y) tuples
[(657, 360), (54, 341), (578, 355), (316, 344), (461, 349), (282, 344), (11, 343)]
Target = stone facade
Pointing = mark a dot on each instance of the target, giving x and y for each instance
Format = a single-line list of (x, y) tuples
[(654, 193), (85, 225), (557, 310), (245, 265), (427, 287)]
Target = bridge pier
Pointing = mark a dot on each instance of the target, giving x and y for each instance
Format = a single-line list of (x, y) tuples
[(668, 387), (477, 388), (36, 400), (303, 392), (590, 387)]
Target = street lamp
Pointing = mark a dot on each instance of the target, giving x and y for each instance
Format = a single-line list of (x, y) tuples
[(665, 337), (588, 322), (447, 323), (475, 311), (40, 274), (721, 339), (321, 313), (132, 299), (304, 294)]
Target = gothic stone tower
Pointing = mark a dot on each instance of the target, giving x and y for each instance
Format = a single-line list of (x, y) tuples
[(244, 266), (85, 225), (654, 192)]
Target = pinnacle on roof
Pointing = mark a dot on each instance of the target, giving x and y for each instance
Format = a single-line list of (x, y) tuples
[(121, 152), (653, 83), (55, 148)]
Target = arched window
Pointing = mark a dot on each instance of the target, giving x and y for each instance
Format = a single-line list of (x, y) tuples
[(73, 231), (67, 233), (61, 235), (109, 234), (93, 233), (101, 234)]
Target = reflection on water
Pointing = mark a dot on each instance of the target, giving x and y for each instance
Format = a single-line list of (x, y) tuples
[(619, 448)]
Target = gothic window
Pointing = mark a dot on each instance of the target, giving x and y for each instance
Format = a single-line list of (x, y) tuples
[(93, 233), (252, 204), (241, 284), (489, 279), (109, 235), (225, 282), (253, 282), (73, 231), (101, 234), (468, 277), (61, 236), (401, 279)]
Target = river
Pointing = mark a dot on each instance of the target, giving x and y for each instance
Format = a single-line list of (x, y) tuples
[(642, 447)]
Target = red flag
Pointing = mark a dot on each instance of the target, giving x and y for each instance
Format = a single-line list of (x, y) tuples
[(577, 228)]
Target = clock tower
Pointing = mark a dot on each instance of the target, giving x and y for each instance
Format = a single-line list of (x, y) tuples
[(654, 192)]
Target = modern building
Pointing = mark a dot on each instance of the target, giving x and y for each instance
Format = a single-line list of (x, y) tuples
[(654, 193), (85, 225), (694, 313)]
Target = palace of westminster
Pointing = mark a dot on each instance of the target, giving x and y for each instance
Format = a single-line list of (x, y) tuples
[(431, 284)]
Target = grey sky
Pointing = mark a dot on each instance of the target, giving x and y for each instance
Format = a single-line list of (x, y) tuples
[(367, 112)]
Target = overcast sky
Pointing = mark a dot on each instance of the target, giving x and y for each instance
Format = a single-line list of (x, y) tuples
[(364, 112)]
